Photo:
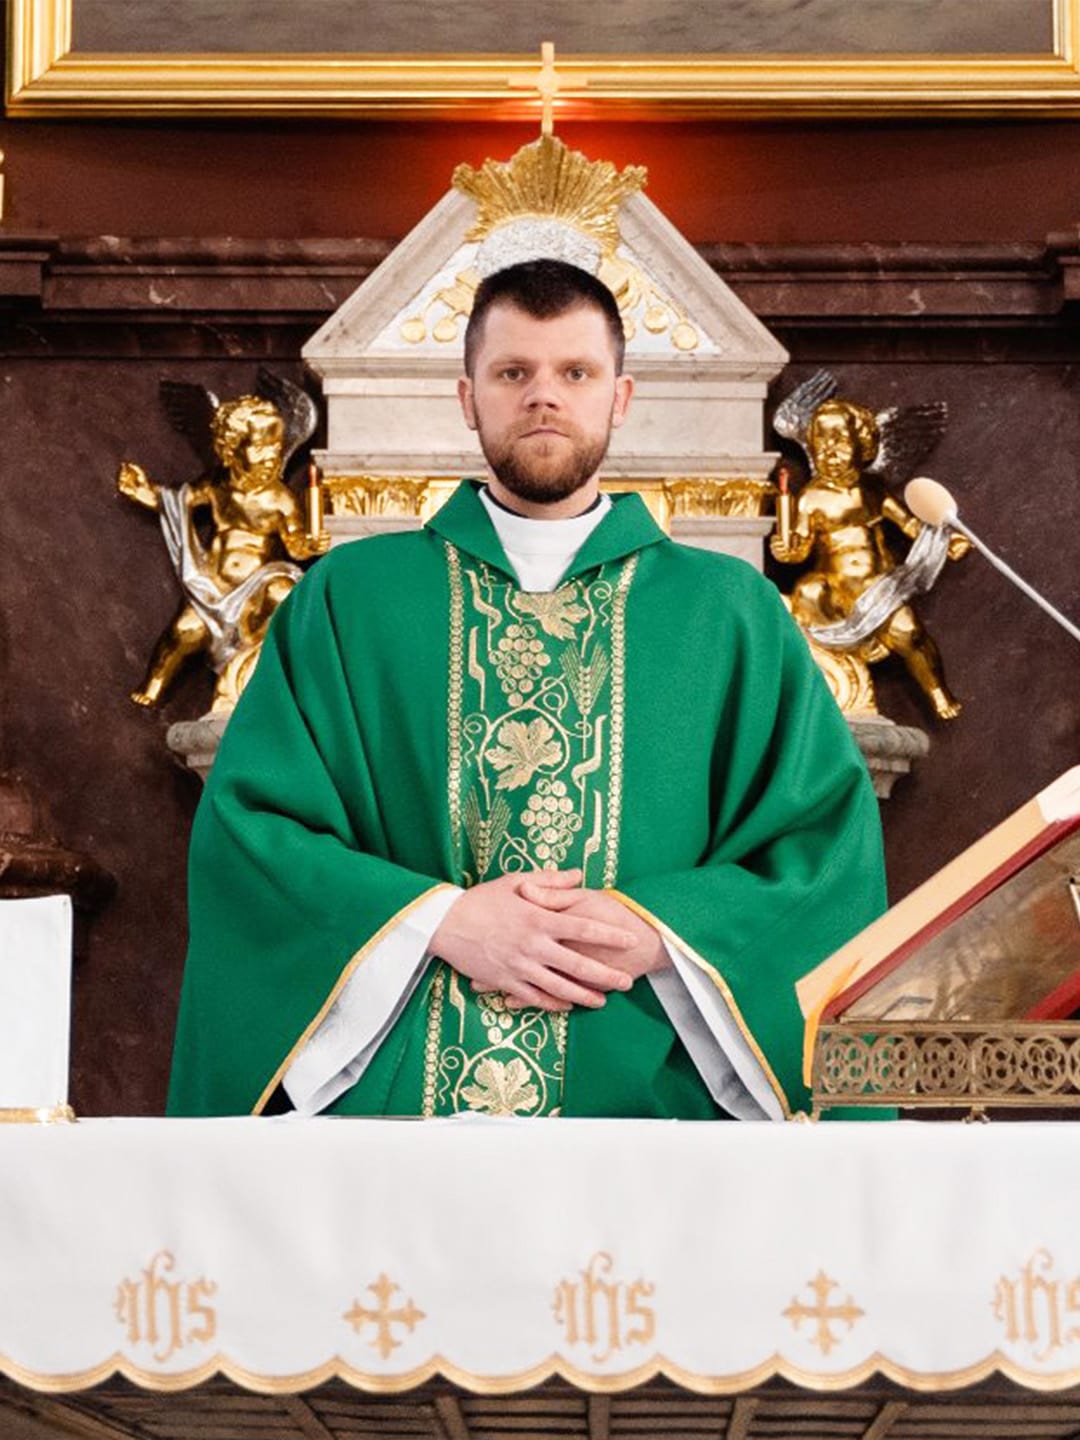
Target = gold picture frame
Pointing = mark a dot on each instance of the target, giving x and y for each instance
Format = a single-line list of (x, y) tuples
[(47, 78)]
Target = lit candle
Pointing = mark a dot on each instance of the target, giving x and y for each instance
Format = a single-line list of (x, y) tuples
[(314, 503), (785, 506)]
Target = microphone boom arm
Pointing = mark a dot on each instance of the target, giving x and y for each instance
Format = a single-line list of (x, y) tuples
[(955, 523)]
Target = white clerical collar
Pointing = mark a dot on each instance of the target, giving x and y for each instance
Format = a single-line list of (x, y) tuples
[(541, 550)]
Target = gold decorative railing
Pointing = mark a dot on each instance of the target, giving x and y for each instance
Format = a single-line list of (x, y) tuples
[(965, 1064)]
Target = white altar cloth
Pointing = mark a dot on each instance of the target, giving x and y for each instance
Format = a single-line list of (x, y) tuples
[(499, 1253)]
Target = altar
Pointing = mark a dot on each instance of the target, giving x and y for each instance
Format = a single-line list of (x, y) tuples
[(477, 1276)]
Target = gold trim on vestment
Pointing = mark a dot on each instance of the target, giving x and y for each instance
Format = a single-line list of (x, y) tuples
[(721, 985), (431, 1043), (554, 1367), (342, 980), (455, 689), (618, 717)]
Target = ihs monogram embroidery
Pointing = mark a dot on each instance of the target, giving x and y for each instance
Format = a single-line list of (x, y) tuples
[(603, 1312), (164, 1311)]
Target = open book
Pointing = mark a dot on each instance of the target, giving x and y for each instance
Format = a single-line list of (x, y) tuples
[(993, 936)]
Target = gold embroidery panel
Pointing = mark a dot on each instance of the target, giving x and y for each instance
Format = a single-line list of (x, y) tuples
[(518, 1071), (535, 717), (538, 704)]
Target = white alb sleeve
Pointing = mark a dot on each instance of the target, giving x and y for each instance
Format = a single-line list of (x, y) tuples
[(361, 1017), (704, 1023)]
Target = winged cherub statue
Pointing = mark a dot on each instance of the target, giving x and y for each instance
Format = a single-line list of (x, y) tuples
[(856, 594), (232, 582)]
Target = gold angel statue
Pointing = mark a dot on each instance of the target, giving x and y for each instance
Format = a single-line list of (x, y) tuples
[(233, 533), (855, 596)]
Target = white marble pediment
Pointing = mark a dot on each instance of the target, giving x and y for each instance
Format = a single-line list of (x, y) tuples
[(390, 356), (381, 319)]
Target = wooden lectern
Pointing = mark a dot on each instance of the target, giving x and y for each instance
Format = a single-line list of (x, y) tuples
[(966, 993)]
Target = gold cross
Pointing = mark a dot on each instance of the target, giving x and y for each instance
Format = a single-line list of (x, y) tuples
[(547, 83), (823, 1313), (383, 1317)]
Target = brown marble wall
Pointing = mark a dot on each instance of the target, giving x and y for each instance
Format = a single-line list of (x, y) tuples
[(811, 182), (1009, 458), (88, 329)]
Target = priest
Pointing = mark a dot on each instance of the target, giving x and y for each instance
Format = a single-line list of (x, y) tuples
[(531, 812)]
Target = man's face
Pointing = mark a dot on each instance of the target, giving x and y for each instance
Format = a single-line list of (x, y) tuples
[(543, 400)]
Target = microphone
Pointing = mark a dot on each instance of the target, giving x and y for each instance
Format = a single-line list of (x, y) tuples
[(934, 505)]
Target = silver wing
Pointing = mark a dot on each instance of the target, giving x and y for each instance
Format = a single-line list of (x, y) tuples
[(908, 434), (298, 411), (191, 409), (793, 414)]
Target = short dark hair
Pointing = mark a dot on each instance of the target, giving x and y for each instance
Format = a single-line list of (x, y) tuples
[(543, 289)]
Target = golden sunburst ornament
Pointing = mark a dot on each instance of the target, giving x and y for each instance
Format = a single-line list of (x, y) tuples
[(550, 202), (546, 179)]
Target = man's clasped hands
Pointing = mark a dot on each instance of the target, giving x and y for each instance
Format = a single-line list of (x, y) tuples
[(543, 940)]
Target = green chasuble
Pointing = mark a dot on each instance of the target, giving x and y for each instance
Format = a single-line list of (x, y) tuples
[(416, 719)]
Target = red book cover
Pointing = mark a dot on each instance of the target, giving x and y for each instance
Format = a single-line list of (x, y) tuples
[(994, 935)]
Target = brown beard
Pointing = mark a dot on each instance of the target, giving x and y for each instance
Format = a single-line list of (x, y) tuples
[(537, 481)]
